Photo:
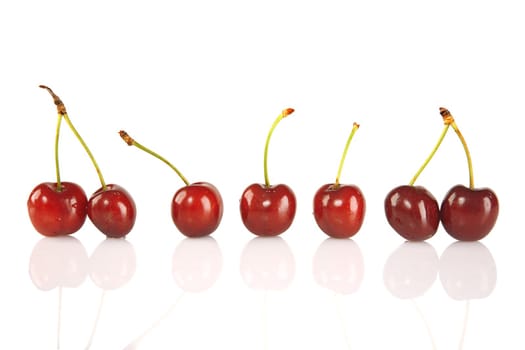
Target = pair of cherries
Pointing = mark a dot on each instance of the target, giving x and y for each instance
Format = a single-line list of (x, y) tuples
[(466, 213), (60, 208), (269, 210)]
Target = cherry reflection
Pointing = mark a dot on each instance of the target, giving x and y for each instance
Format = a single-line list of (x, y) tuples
[(196, 264), (411, 270), (467, 271), (58, 262), (267, 263), (338, 265)]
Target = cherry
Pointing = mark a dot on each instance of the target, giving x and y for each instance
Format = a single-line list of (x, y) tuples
[(468, 214), (196, 209), (111, 208), (412, 211), (58, 208), (57, 212), (268, 210), (339, 210)]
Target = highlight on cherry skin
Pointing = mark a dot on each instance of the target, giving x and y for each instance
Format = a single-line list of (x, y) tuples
[(468, 213), (339, 209), (111, 209), (197, 208), (268, 210)]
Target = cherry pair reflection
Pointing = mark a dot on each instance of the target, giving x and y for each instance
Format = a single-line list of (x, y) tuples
[(64, 262), (60, 208), (466, 270), (466, 213)]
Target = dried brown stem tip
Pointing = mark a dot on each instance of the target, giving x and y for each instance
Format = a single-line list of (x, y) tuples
[(128, 139), (287, 112), (61, 108), (447, 117)]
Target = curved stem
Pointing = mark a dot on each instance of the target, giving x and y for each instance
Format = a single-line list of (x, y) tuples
[(57, 167), (61, 108), (283, 114), (441, 137), (131, 142), (341, 163), (467, 153), (446, 114), (86, 148)]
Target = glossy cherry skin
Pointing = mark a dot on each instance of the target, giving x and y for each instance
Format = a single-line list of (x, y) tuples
[(112, 211), (267, 210), (57, 213), (469, 214), (339, 210), (413, 212), (197, 209)]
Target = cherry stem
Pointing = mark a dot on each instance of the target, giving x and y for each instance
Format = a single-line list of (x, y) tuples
[(61, 108), (57, 166), (341, 163), (131, 142), (446, 114), (286, 112), (441, 137)]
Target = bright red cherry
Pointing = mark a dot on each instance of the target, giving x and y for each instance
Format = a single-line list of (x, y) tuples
[(58, 208), (111, 208), (413, 212), (339, 210), (468, 213), (196, 209), (268, 210), (55, 212)]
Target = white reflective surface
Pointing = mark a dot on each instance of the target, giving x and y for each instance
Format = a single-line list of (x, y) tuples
[(200, 83)]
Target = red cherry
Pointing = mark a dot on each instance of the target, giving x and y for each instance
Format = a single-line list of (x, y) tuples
[(197, 209), (268, 211), (56, 212), (339, 210), (469, 214), (413, 212), (112, 210)]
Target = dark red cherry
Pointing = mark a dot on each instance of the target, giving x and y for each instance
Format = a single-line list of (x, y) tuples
[(413, 212), (56, 212), (339, 210), (469, 214), (197, 209), (267, 210), (112, 210)]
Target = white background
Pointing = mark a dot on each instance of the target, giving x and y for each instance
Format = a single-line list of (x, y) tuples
[(201, 82)]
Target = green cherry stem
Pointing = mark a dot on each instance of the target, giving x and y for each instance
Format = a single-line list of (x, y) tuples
[(131, 142), (341, 163), (57, 166), (447, 115), (286, 112), (61, 108), (447, 122)]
